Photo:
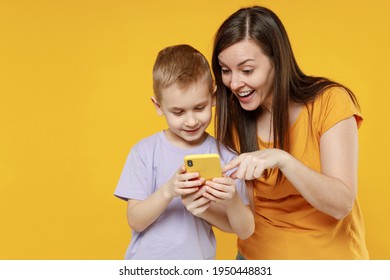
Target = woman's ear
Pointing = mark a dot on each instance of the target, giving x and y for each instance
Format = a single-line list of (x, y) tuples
[(214, 100), (157, 106)]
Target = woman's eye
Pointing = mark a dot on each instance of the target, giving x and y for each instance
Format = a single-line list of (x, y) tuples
[(225, 71), (247, 71)]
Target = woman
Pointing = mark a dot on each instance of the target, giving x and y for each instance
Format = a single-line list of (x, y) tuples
[(298, 143)]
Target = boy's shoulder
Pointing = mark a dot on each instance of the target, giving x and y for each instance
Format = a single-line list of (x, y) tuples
[(223, 147), (147, 143), (224, 151)]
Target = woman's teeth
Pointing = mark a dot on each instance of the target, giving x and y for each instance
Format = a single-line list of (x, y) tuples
[(245, 93)]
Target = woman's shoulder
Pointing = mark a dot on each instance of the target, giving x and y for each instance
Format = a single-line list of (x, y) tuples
[(333, 98), (334, 94), (333, 105)]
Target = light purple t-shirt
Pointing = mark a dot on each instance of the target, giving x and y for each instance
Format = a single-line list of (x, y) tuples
[(176, 234)]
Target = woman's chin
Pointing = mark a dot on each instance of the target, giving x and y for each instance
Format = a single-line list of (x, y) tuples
[(249, 106)]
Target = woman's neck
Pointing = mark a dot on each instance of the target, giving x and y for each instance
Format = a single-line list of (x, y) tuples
[(264, 120)]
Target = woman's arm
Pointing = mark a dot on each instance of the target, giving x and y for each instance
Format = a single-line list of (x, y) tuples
[(333, 191)]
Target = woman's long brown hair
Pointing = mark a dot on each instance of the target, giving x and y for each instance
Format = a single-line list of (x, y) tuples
[(290, 84), (236, 127)]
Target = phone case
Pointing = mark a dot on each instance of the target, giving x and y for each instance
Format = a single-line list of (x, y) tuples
[(208, 165)]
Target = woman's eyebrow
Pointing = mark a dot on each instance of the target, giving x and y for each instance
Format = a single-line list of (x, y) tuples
[(245, 61), (239, 64)]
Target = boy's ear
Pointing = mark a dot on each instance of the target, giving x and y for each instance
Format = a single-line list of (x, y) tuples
[(157, 106)]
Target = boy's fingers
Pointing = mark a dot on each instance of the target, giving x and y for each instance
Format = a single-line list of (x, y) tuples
[(225, 180), (189, 190), (190, 176), (181, 170)]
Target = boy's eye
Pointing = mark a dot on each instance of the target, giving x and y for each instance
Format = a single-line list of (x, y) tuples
[(200, 108), (177, 113)]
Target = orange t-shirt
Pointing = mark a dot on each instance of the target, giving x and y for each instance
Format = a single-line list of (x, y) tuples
[(287, 226)]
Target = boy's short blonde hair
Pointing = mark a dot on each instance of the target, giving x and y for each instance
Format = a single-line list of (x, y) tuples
[(182, 65)]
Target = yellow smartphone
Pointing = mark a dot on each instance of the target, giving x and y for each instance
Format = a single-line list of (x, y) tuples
[(208, 165)]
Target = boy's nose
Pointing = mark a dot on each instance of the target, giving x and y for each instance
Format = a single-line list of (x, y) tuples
[(191, 121)]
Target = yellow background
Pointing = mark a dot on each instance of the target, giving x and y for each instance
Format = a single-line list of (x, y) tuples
[(75, 87)]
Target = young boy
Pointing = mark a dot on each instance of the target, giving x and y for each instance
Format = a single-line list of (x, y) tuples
[(171, 211)]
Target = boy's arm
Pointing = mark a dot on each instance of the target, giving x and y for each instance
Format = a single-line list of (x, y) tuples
[(228, 213), (142, 213), (236, 218), (216, 215), (223, 192), (241, 218)]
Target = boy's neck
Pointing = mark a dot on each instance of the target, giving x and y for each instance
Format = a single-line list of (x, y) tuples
[(181, 143)]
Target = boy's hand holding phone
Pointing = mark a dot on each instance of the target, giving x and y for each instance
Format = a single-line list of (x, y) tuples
[(219, 188), (196, 203), (221, 191), (207, 165), (183, 183)]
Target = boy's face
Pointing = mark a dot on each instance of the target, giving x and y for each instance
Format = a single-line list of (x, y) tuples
[(187, 112)]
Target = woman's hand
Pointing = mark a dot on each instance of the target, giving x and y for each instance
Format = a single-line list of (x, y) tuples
[(252, 165)]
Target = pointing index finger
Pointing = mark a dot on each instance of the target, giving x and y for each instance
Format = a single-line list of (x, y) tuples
[(232, 164)]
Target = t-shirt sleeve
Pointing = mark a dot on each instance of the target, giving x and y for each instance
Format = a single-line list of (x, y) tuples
[(241, 189), (133, 181), (336, 105)]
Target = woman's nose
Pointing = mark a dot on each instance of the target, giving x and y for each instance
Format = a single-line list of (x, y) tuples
[(236, 82)]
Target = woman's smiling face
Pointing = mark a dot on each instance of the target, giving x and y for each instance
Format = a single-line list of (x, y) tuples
[(248, 73)]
